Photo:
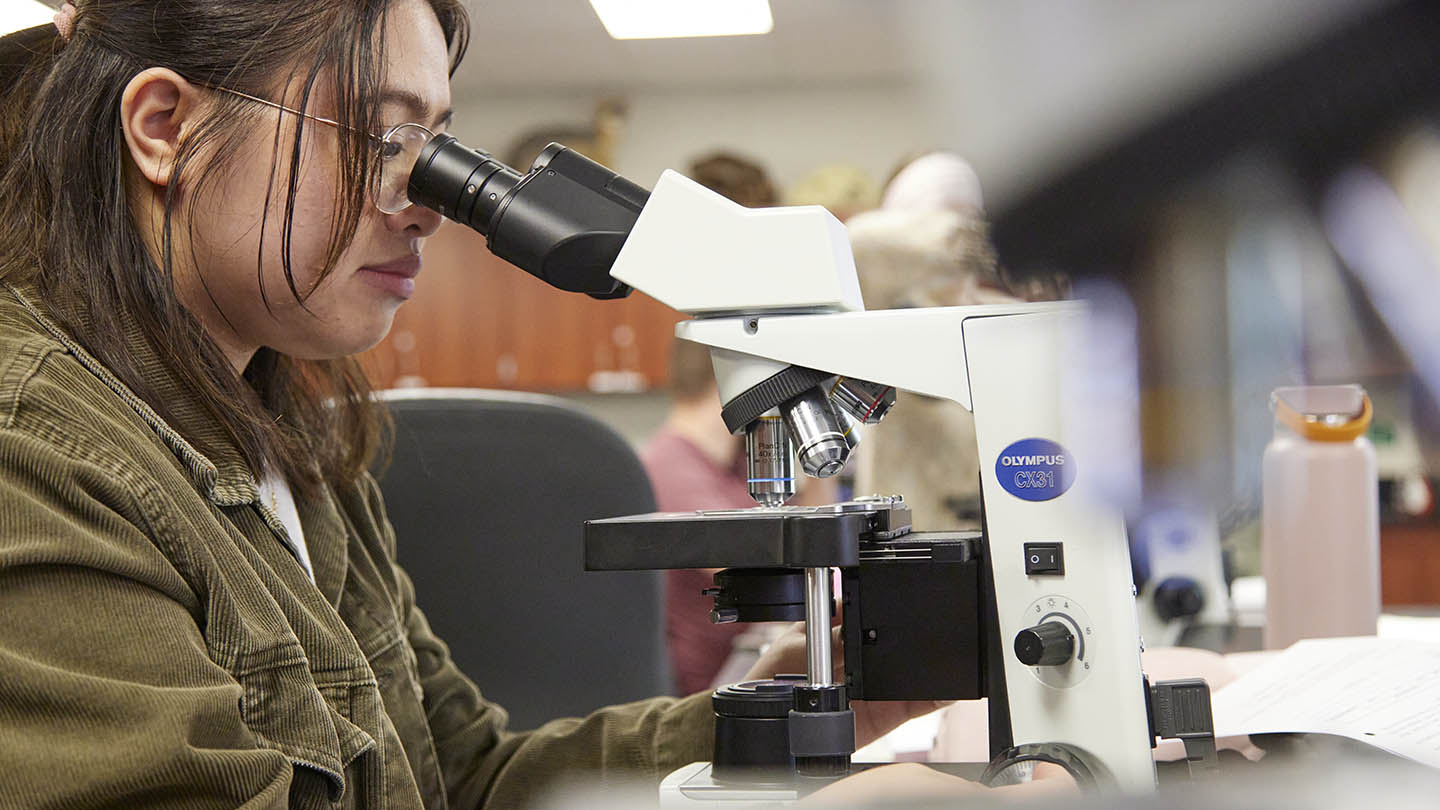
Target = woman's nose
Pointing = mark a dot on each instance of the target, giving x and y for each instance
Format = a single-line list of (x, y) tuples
[(417, 220)]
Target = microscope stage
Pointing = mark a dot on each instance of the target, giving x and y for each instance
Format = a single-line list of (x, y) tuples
[(764, 537)]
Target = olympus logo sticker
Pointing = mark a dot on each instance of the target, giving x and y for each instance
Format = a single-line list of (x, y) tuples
[(1035, 469)]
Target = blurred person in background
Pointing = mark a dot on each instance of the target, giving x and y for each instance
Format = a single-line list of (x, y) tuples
[(694, 462), (842, 188), (928, 246), (738, 178)]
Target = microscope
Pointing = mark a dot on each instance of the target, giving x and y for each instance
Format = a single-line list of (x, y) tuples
[(1183, 592), (1036, 612)]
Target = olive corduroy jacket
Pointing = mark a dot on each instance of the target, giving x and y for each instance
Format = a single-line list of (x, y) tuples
[(160, 645)]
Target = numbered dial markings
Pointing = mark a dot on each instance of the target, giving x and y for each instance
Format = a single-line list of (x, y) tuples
[(1066, 611)]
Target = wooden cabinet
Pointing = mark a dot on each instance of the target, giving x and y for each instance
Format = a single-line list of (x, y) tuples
[(476, 321), (1410, 563)]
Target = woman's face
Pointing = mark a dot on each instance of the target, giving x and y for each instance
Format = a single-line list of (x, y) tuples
[(351, 309)]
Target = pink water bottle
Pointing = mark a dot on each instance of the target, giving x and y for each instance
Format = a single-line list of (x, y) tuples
[(1320, 533)]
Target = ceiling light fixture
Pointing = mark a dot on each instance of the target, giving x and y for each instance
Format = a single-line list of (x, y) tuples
[(661, 19), (18, 14)]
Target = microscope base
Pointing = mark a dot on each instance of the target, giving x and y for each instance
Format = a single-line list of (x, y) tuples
[(693, 786)]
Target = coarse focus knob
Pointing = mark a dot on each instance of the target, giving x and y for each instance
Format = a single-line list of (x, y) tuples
[(1045, 645), (1178, 598)]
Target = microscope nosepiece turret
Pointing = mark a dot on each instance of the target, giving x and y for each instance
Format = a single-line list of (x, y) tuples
[(788, 416)]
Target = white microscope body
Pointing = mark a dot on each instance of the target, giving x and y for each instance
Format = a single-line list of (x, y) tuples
[(774, 288)]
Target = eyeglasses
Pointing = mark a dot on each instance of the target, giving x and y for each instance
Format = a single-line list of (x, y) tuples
[(399, 148)]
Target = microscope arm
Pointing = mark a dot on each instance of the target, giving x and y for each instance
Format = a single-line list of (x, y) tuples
[(900, 348)]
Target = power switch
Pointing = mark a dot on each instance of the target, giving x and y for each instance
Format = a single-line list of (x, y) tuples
[(1044, 559)]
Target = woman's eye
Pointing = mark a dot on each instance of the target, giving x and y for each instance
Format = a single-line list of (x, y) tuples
[(389, 150)]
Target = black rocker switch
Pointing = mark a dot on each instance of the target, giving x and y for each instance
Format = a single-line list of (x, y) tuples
[(1044, 558)]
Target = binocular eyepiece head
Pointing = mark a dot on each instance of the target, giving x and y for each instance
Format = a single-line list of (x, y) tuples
[(563, 221)]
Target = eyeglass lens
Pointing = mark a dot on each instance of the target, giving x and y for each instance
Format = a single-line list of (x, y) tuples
[(398, 152)]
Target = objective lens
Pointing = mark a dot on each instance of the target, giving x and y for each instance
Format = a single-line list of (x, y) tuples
[(769, 461), (866, 401), (819, 439), (849, 426)]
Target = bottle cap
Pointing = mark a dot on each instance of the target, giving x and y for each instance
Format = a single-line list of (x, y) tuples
[(1338, 413)]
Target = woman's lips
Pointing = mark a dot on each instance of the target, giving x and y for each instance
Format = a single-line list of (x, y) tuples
[(396, 278)]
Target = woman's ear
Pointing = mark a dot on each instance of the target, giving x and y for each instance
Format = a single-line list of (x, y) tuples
[(158, 105)]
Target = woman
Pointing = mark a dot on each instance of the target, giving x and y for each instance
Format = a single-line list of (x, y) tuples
[(204, 218)]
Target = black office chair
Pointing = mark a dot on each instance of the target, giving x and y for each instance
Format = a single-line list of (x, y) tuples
[(488, 492)]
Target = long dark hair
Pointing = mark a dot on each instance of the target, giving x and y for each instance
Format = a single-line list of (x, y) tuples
[(65, 222)]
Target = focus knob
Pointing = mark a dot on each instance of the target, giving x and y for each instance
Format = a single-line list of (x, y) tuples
[(1045, 645), (1178, 598)]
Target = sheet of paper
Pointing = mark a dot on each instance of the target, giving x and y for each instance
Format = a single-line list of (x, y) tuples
[(1417, 627), (1381, 691), (911, 740)]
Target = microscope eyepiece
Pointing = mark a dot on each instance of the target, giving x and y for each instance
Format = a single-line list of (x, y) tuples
[(564, 221), (463, 184)]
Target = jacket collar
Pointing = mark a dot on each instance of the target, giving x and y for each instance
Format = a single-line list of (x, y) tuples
[(221, 475)]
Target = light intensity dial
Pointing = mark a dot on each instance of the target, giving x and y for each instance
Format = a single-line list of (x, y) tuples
[(1051, 613)]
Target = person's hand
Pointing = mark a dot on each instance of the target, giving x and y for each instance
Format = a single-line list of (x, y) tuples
[(912, 780), (783, 656), (873, 718)]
